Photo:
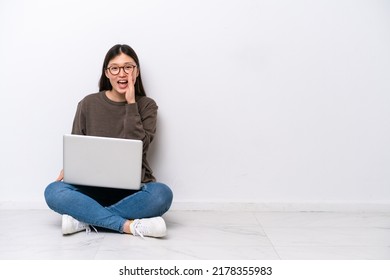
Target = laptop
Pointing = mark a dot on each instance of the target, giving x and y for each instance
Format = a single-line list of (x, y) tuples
[(102, 161)]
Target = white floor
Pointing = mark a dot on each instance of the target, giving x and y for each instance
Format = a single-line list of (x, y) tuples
[(36, 234)]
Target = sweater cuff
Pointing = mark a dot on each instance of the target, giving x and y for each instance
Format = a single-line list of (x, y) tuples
[(132, 109)]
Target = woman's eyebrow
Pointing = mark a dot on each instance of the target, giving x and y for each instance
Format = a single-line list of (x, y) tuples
[(126, 63)]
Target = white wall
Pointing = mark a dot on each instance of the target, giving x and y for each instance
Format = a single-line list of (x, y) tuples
[(260, 101)]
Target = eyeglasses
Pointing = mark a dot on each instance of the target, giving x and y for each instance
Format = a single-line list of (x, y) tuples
[(128, 68)]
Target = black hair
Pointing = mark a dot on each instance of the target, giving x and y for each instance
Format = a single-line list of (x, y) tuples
[(104, 82)]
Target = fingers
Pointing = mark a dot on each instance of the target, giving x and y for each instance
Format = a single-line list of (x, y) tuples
[(130, 92), (133, 77), (60, 176)]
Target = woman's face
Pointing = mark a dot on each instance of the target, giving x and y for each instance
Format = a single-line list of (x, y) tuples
[(121, 71)]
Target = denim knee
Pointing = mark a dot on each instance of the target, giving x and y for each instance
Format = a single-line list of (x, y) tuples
[(50, 189), (52, 194), (162, 195)]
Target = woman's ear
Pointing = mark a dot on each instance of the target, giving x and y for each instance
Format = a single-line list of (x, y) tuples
[(106, 73)]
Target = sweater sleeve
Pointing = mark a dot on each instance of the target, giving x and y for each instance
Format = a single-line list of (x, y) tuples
[(140, 122), (79, 124)]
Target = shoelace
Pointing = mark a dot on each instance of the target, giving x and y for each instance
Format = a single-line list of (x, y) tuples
[(137, 224), (88, 229)]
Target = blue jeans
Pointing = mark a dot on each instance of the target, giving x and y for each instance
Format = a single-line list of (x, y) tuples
[(106, 207)]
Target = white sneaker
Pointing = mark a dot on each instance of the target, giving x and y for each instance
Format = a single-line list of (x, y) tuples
[(153, 227), (71, 225)]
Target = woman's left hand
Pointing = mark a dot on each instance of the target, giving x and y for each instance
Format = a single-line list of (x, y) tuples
[(130, 92)]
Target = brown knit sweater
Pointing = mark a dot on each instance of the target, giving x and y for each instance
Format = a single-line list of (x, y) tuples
[(97, 115)]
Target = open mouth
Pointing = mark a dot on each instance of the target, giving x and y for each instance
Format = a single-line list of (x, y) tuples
[(122, 83)]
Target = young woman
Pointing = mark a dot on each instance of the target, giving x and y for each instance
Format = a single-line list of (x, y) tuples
[(120, 109)]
